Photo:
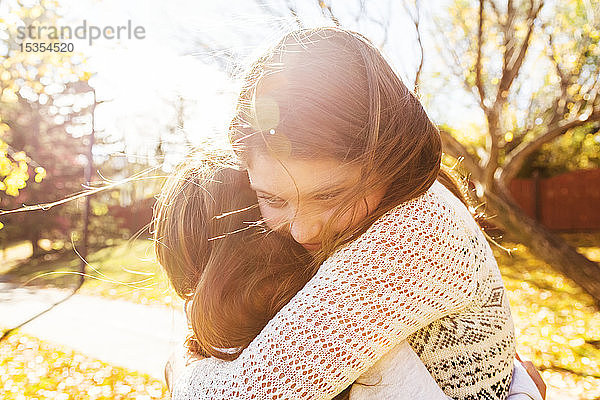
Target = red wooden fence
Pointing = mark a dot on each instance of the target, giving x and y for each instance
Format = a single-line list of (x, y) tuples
[(566, 202)]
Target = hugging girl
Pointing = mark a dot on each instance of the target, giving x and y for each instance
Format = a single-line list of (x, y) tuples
[(363, 253)]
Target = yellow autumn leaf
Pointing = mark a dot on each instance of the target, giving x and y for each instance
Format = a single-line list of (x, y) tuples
[(12, 191), (85, 76)]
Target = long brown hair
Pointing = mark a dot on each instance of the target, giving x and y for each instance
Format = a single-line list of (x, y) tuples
[(235, 274), (329, 93)]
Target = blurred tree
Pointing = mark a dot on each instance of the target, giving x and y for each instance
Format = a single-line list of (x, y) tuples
[(44, 113), (60, 153), (533, 69)]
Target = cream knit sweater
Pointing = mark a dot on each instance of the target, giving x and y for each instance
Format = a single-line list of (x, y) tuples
[(423, 272)]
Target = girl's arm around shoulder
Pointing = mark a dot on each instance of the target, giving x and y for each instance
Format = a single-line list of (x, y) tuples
[(413, 266)]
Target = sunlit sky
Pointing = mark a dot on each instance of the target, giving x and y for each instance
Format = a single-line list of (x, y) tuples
[(140, 80)]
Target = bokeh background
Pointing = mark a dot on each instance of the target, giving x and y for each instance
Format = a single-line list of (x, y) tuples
[(512, 84)]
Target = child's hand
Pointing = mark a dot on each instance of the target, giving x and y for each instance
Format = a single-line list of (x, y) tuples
[(172, 369), (175, 365), (177, 361), (535, 375)]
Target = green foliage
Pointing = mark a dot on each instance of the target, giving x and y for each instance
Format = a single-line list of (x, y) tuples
[(577, 149)]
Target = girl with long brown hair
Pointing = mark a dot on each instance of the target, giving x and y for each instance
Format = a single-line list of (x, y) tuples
[(345, 161)]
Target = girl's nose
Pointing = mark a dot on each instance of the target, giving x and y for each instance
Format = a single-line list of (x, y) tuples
[(306, 230)]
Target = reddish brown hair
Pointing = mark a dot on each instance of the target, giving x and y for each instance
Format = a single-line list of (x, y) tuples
[(218, 256)]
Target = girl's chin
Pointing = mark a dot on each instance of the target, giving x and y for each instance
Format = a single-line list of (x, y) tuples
[(312, 247)]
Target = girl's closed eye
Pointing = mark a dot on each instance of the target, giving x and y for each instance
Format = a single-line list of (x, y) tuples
[(272, 201), (327, 196)]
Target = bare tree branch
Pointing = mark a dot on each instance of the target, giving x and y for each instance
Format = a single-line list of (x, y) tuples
[(478, 81), (386, 26), (512, 63), (564, 80), (420, 44), (415, 17), (511, 66), (455, 65), (495, 9), (507, 25), (328, 12), (361, 12), (494, 131)]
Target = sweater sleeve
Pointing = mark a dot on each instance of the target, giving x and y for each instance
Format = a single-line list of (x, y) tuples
[(414, 265)]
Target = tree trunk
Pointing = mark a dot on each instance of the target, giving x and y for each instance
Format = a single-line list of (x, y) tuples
[(34, 236), (545, 245)]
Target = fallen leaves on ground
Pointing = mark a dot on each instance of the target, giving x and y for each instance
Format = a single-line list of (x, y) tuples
[(556, 324), (34, 369)]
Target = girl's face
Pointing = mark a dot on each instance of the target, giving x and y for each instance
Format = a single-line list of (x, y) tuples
[(299, 196)]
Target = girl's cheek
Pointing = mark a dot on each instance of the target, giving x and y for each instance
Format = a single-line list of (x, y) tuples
[(274, 218), (344, 221), (355, 215)]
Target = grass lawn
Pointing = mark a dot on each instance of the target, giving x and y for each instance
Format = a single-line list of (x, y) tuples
[(127, 271), (556, 325)]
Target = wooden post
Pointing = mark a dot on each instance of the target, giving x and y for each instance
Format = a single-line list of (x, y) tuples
[(537, 198)]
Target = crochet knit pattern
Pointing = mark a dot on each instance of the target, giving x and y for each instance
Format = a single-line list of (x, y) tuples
[(423, 272)]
